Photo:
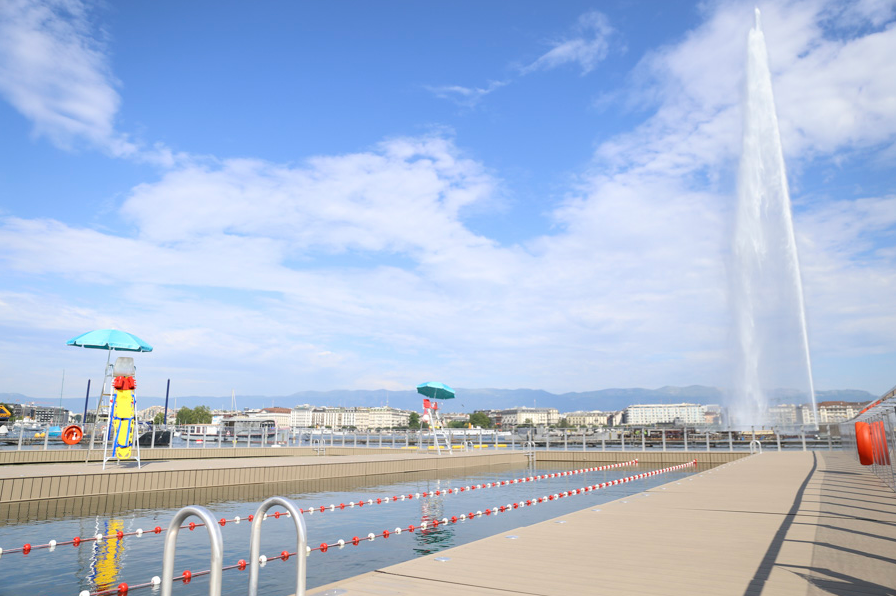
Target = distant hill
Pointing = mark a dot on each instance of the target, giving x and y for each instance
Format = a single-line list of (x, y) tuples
[(470, 399)]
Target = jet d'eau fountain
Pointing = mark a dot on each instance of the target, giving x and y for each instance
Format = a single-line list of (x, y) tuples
[(771, 343)]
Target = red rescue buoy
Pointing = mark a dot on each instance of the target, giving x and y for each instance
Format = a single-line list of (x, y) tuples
[(863, 443), (72, 434)]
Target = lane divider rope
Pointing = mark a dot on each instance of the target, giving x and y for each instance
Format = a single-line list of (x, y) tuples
[(188, 575), (158, 530)]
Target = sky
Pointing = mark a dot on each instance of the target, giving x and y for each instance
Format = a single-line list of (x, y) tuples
[(285, 196)]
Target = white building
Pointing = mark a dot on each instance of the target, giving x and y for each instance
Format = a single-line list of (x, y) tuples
[(281, 416), (523, 415), (300, 417), (593, 418), (785, 415), (831, 412), (650, 414), (807, 416), (386, 417)]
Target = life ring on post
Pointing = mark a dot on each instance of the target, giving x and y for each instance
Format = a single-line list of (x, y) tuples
[(72, 434)]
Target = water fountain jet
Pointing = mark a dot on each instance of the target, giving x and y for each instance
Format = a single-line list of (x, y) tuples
[(766, 290)]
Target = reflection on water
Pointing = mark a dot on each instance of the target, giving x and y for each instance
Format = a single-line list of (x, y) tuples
[(108, 556), (435, 537)]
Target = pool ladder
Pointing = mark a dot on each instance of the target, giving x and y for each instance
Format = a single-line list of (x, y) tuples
[(217, 546)]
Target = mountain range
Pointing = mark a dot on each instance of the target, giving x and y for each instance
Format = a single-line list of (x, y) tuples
[(468, 400)]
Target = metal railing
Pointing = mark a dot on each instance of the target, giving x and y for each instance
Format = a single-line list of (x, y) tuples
[(217, 546), (880, 415), (301, 544), (217, 549)]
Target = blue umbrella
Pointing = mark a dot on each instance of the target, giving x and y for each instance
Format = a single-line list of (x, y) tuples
[(110, 339), (436, 390)]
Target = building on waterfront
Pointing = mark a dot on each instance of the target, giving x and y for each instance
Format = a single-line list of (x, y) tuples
[(785, 415), (359, 418), (301, 417), (651, 414), (386, 417), (593, 418), (40, 414), (281, 416), (522, 415), (808, 417), (832, 412)]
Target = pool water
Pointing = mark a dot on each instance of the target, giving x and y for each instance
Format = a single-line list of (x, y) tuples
[(103, 565)]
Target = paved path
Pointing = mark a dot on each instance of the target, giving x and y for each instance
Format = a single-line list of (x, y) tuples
[(775, 524)]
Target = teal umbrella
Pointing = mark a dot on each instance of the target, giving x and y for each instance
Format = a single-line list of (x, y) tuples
[(436, 390), (110, 339)]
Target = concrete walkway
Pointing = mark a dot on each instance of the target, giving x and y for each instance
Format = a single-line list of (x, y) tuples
[(774, 524)]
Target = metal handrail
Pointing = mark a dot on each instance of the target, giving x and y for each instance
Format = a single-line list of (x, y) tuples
[(217, 543), (755, 444), (301, 544)]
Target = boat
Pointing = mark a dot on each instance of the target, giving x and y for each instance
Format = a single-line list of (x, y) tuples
[(55, 432), (163, 438)]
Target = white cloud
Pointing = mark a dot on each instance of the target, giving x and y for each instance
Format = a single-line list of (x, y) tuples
[(465, 96), (56, 73), (348, 268), (586, 47)]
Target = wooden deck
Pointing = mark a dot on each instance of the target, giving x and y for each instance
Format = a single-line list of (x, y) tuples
[(774, 524)]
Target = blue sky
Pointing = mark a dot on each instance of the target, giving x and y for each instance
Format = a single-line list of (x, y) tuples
[(283, 196)]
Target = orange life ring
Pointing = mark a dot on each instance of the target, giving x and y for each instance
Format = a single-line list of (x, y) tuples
[(863, 443), (72, 434)]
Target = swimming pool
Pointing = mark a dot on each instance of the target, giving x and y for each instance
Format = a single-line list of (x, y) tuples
[(103, 565)]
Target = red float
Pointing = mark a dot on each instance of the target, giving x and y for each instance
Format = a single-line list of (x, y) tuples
[(863, 443)]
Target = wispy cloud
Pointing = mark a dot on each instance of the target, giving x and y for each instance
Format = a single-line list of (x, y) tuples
[(56, 73), (587, 46), (466, 96)]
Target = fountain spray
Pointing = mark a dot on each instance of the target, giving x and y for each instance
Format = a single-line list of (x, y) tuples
[(765, 281)]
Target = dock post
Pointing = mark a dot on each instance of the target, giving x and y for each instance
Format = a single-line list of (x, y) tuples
[(707, 439), (565, 441), (643, 439), (21, 435), (622, 439), (684, 434), (778, 439), (603, 442), (664, 439), (731, 441), (803, 437)]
